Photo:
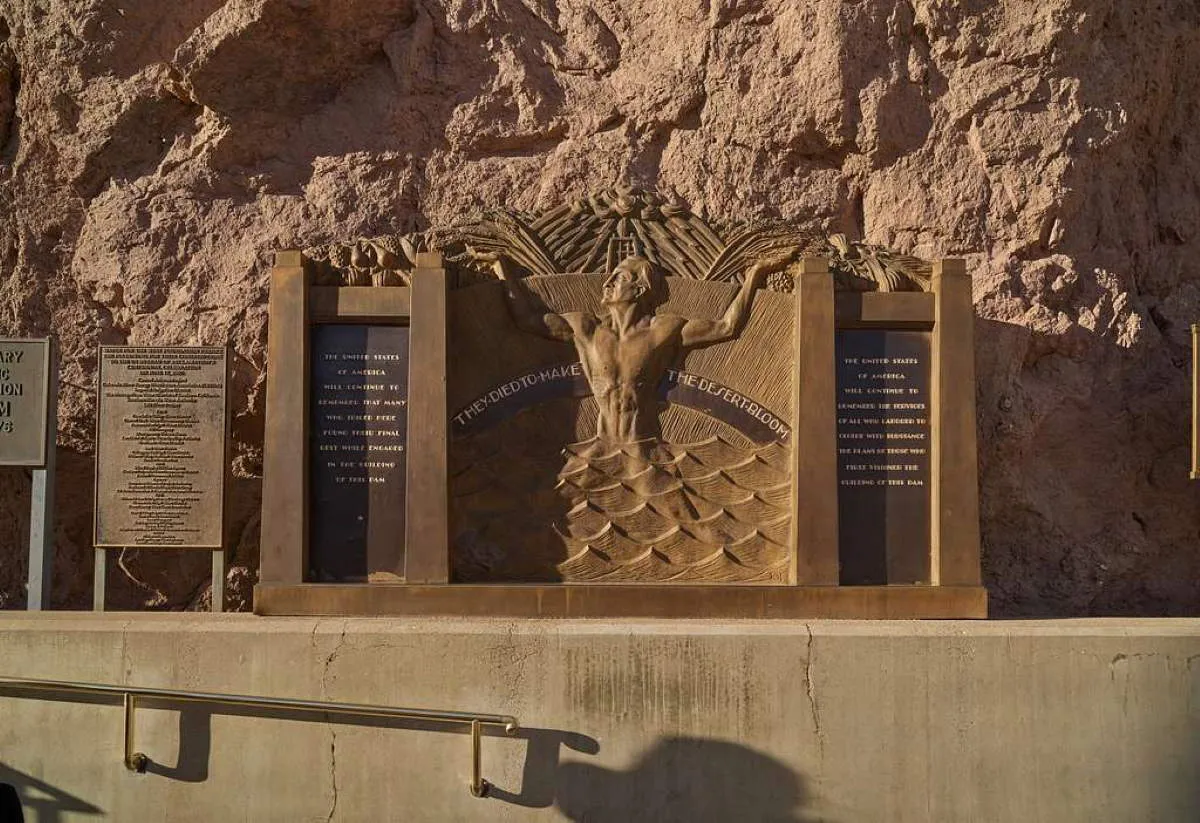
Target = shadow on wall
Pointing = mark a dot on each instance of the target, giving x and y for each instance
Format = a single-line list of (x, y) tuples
[(679, 778), (1176, 780), (42, 803), (538, 778), (684, 778)]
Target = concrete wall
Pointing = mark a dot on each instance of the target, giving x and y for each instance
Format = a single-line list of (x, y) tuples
[(637, 720)]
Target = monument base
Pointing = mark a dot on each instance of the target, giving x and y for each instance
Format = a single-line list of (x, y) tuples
[(581, 601), (621, 720)]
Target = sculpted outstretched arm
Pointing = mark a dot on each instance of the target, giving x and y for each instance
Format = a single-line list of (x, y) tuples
[(525, 309), (706, 332)]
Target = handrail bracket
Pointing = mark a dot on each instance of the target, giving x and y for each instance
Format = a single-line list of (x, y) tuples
[(134, 761)]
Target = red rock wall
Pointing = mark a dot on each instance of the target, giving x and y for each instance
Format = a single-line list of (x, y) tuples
[(153, 154)]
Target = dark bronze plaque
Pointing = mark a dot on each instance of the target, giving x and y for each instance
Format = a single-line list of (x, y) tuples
[(160, 447), (358, 442), (883, 456), (24, 390)]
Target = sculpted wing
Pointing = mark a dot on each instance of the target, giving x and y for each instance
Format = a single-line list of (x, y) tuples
[(756, 243), (680, 242), (583, 233), (506, 234)]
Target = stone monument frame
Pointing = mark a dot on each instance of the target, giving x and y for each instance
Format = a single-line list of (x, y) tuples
[(953, 590), (296, 305), (946, 313)]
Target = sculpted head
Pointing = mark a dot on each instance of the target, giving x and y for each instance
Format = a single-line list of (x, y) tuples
[(634, 280)]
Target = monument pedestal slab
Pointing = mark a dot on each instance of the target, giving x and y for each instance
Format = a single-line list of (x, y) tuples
[(613, 600)]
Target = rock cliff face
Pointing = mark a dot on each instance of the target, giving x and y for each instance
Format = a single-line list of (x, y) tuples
[(152, 155)]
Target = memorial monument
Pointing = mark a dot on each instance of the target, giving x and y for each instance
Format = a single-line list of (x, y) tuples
[(617, 407)]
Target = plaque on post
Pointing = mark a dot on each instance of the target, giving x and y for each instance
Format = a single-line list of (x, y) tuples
[(25, 391), (161, 452), (28, 412)]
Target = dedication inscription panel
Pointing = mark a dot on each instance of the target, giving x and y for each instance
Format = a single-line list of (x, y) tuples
[(24, 393), (160, 450), (883, 456), (359, 430)]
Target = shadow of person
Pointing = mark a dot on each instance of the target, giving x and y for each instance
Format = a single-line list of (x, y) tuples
[(10, 805), (21, 793), (685, 779)]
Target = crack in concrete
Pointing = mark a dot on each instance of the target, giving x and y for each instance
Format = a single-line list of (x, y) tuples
[(332, 773), (329, 660), (125, 668), (336, 649), (811, 689)]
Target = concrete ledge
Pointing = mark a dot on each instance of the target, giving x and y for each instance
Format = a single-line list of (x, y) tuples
[(1090, 720)]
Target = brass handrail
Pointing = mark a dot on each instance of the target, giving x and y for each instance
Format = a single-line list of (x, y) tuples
[(137, 761)]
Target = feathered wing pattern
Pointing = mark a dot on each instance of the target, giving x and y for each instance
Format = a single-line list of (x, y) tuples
[(757, 243), (506, 234), (576, 236), (579, 235), (682, 244)]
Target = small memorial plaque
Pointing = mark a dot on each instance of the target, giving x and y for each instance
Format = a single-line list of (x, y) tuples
[(883, 456), (24, 393), (359, 433), (161, 447)]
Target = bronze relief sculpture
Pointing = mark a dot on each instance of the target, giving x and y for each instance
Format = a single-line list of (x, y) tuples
[(622, 390), (647, 489), (632, 501)]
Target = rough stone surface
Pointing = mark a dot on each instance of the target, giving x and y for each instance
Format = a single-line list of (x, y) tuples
[(153, 154)]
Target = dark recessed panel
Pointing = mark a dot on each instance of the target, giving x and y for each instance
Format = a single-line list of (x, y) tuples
[(358, 400), (883, 456)]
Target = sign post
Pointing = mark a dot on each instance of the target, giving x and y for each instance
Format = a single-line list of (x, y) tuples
[(41, 511)]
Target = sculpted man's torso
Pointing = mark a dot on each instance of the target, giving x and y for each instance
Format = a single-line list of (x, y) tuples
[(626, 348), (624, 366)]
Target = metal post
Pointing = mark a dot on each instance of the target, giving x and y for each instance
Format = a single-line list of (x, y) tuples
[(41, 510), (218, 580), (134, 761), (479, 786), (99, 579)]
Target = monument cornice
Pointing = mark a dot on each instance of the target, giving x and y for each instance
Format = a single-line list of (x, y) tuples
[(586, 233)]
